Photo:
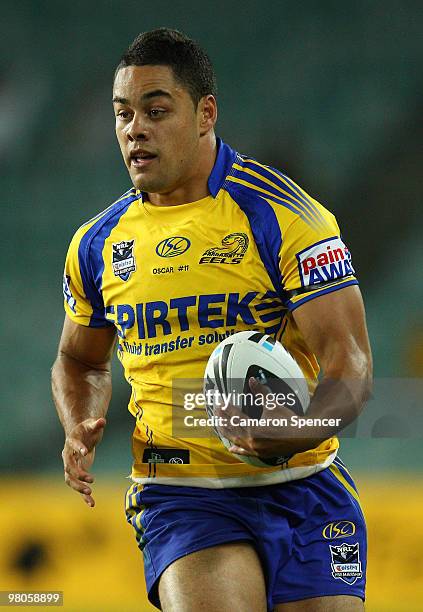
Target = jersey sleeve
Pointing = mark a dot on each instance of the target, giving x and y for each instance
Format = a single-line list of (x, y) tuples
[(314, 260), (83, 301)]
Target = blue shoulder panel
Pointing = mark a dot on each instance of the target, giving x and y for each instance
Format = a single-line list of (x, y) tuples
[(91, 263), (265, 228), (280, 189)]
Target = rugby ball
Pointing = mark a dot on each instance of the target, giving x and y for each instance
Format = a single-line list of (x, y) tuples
[(249, 354)]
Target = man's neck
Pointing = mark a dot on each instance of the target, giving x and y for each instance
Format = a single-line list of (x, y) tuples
[(196, 187)]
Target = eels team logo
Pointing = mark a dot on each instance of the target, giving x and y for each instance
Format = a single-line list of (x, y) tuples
[(346, 563), (123, 259), (171, 247), (232, 250)]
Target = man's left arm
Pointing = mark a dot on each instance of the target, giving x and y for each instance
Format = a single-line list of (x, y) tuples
[(334, 328)]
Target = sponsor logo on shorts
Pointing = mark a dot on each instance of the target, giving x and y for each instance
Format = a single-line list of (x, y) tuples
[(346, 565), (176, 456), (123, 259), (155, 458), (324, 261), (173, 246), (338, 529), (67, 293), (231, 251)]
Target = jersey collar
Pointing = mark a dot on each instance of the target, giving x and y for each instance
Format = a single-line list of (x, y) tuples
[(224, 160)]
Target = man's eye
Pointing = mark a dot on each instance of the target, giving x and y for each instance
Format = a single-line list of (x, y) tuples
[(123, 114), (156, 112)]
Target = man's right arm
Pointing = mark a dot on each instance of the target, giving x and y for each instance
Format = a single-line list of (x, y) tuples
[(82, 387)]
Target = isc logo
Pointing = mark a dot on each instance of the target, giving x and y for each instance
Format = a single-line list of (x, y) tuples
[(339, 529), (171, 247)]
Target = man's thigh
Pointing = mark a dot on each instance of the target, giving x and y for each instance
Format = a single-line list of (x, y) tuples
[(338, 603), (225, 578)]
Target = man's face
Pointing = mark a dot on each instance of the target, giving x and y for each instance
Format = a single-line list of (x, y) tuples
[(157, 127)]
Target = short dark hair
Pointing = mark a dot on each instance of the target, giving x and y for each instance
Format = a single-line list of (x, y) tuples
[(191, 65)]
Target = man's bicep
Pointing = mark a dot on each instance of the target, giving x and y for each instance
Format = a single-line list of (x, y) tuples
[(92, 346), (334, 326)]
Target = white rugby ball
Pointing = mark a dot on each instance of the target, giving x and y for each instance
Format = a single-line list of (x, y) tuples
[(249, 354)]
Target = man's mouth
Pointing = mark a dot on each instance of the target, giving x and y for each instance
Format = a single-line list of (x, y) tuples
[(139, 159)]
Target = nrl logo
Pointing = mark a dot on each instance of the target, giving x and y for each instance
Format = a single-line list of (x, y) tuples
[(231, 251), (346, 564), (123, 260), (67, 293)]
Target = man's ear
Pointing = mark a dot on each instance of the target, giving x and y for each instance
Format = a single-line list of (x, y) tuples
[(207, 113)]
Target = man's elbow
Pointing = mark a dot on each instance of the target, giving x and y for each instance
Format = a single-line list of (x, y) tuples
[(355, 369), (68, 359), (368, 378), (362, 371)]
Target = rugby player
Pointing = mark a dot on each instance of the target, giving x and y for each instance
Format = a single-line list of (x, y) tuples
[(209, 242)]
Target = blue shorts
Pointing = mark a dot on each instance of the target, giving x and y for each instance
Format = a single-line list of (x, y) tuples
[(310, 534)]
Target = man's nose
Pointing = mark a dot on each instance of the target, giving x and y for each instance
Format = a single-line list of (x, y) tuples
[(137, 129)]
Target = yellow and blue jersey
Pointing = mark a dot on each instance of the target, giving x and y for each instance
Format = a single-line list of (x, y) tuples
[(175, 280)]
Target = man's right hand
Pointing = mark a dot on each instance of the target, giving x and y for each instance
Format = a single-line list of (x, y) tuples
[(78, 456)]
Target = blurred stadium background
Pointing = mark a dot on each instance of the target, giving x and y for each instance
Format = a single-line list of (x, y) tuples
[(329, 92)]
